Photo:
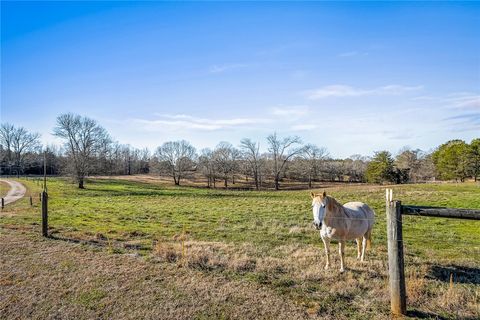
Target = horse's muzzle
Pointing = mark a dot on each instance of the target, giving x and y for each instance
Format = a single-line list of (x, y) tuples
[(317, 225)]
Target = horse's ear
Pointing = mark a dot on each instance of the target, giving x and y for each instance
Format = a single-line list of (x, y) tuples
[(312, 194), (324, 194)]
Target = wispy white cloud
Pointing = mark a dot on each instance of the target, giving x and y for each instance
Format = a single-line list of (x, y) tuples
[(186, 122), (290, 111), (464, 122), (226, 67), (349, 91), (465, 101), (457, 100)]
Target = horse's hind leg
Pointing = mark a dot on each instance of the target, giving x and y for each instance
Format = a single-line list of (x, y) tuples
[(359, 246), (365, 239)]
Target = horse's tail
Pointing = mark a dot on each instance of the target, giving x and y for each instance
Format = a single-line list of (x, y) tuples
[(369, 241), (369, 232)]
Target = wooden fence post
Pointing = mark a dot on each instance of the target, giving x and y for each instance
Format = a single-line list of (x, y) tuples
[(31, 201), (396, 270), (44, 214), (3, 203)]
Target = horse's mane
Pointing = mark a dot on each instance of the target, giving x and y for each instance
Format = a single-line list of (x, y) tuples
[(334, 205)]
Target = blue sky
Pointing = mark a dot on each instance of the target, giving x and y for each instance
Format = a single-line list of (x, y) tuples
[(352, 77)]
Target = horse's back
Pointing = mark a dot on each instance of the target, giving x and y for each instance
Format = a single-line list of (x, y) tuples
[(360, 210)]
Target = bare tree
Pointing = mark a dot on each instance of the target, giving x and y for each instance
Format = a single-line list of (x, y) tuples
[(251, 153), (177, 157), (224, 157), (356, 166), (83, 138), (104, 154), (207, 165), (235, 157), (314, 157), (416, 164), (128, 156), (18, 142), (282, 150), (6, 137)]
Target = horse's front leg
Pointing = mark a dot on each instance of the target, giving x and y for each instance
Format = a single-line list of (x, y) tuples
[(341, 252), (326, 243)]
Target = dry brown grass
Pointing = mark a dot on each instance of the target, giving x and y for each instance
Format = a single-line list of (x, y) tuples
[(51, 279), (297, 269), (198, 180), (193, 279)]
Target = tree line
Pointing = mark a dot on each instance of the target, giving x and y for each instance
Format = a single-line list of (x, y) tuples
[(88, 149)]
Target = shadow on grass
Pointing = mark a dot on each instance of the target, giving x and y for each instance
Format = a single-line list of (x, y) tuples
[(75, 240), (179, 193), (417, 314), (117, 246), (459, 274)]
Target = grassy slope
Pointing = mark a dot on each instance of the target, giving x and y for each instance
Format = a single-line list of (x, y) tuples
[(229, 231)]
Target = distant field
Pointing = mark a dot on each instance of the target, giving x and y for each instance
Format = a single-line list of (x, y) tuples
[(265, 238)]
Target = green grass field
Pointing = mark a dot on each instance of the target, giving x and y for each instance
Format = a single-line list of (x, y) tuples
[(266, 238)]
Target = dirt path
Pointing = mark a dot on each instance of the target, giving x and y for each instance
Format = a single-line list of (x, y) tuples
[(17, 191)]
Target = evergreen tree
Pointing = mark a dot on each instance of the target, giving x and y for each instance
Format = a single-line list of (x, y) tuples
[(381, 169), (474, 158), (451, 160)]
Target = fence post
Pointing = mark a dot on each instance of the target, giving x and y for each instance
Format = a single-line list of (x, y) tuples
[(396, 270), (44, 214), (31, 201), (3, 203)]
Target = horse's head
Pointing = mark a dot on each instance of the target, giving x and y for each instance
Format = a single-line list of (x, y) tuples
[(319, 203)]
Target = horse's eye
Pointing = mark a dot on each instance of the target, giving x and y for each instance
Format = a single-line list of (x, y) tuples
[(323, 205)]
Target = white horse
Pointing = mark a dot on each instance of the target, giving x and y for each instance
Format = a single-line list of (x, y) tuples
[(353, 220)]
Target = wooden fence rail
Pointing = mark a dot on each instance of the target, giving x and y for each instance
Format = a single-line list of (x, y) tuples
[(441, 212), (396, 270)]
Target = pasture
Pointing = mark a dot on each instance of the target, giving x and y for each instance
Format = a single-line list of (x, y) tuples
[(203, 244)]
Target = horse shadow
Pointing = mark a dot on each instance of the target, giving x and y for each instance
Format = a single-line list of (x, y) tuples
[(457, 274)]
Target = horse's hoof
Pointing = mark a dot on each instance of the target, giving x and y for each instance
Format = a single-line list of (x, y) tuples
[(342, 270), (326, 268)]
